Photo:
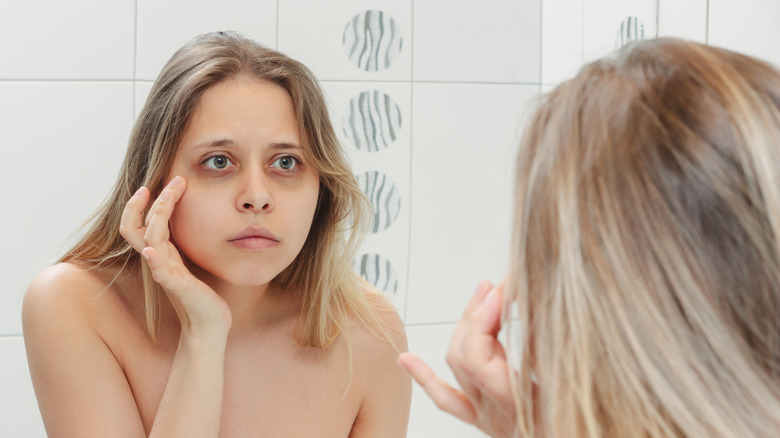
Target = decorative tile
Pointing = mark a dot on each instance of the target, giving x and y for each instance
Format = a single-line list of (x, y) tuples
[(610, 24), (382, 124), (349, 40)]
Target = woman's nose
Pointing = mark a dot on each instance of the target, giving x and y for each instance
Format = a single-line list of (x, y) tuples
[(254, 195)]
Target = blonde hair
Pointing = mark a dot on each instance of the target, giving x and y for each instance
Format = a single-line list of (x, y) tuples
[(329, 290), (646, 249)]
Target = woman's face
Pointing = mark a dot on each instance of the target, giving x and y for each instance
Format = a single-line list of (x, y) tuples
[(250, 195)]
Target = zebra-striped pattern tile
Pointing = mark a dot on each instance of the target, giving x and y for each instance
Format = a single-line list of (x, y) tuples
[(384, 197), (372, 40), (378, 271), (631, 29), (372, 121)]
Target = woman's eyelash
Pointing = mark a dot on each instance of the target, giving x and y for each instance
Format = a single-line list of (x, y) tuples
[(218, 162)]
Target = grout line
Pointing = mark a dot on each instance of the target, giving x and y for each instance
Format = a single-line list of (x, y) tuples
[(657, 17), (411, 149), (401, 81)]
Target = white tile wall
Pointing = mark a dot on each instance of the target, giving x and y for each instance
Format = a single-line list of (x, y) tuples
[(463, 80), (561, 39), (68, 139), (19, 415), (485, 41), (164, 25), (465, 137), (684, 19), (78, 39), (749, 26)]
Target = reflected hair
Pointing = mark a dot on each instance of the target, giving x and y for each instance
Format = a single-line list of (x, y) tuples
[(329, 290), (646, 245)]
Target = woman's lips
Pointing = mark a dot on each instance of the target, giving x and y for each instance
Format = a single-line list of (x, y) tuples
[(254, 242), (254, 238)]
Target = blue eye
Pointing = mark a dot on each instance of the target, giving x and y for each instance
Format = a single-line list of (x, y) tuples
[(286, 162), (217, 162)]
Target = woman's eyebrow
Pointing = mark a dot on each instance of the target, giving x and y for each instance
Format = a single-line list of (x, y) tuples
[(219, 143), (284, 146)]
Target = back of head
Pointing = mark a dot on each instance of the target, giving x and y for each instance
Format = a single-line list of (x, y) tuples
[(647, 248)]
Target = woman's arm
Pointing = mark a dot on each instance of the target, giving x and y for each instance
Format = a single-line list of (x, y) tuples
[(81, 388)]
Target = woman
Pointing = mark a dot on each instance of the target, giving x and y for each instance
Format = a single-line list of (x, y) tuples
[(646, 259), (226, 306)]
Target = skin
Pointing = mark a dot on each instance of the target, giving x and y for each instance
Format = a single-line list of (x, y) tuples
[(225, 363), (480, 366)]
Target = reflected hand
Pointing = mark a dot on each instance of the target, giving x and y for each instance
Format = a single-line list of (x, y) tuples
[(200, 310), (480, 366)]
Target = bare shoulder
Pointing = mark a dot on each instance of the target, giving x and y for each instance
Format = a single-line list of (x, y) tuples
[(61, 314), (386, 387), (58, 293)]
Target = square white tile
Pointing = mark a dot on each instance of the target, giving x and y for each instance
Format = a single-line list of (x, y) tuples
[(430, 343), (165, 25), (372, 120), (464, 142), (349, 39), (486, 41), (749, 26), (79, 39), (562, 29), (142, 89), (19, 415), (71, 138), (683, 19)]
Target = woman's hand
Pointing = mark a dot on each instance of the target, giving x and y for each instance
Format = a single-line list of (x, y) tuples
[(480, 366), (201, 311)]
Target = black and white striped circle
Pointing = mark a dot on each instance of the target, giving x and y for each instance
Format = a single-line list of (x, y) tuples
[(378, 271), (384, 196), (372, 40), (372, 121), (631, 29)]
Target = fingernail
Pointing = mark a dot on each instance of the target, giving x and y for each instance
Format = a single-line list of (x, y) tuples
[(175, 181), (139, 191), (146, 256)]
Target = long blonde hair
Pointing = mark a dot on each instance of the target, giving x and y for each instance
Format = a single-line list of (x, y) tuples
[(646, 249), (329, 290)]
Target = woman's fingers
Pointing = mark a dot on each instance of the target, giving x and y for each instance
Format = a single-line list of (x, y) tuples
[(157, 228), (447, 398), (131, 226), (476, 356)]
